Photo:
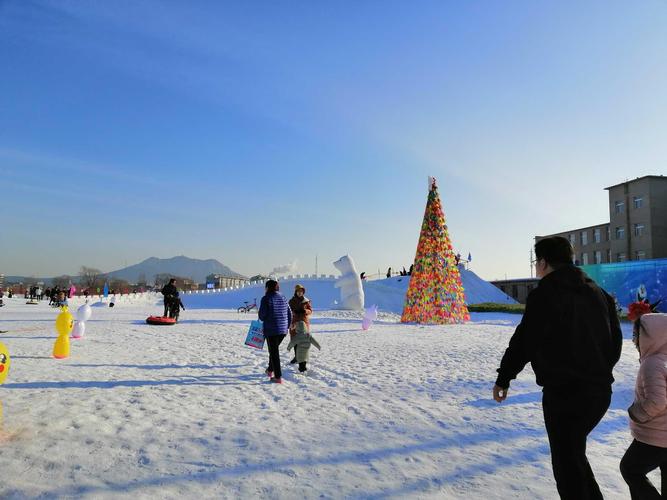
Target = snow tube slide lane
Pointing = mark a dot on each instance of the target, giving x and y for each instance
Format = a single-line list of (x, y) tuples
[(160, 320)]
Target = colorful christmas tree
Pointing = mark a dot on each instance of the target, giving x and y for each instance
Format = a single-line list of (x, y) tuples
[(435, 295)]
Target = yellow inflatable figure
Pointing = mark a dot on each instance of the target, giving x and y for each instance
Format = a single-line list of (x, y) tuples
[(4, 365), (4, 371), (64, 325)]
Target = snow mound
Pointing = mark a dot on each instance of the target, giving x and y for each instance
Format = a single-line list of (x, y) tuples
[(130, 299), (388, 294)]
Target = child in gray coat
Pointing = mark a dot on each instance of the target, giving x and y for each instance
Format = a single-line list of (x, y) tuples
[(303, 340)]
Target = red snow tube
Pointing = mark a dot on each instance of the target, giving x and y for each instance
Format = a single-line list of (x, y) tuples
[(160, 320)]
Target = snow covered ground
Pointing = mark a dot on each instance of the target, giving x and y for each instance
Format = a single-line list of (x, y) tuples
[(400, 411)]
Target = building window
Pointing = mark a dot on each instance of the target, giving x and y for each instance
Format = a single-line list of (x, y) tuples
[(608, 233), (598, 257), (639, 229), (584, 237), (620, 257), (619, 207), (608, 255), (640, 255), (597, 237), (637, 201), (584, 259), (620, 233), (573, 239)]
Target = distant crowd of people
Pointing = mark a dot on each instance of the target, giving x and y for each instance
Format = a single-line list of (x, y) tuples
[(57, 297), (36, 292), (402, 272), (390, 272)]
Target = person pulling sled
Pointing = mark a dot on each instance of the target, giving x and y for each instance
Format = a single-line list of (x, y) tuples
[(168, 291), (175, 304)]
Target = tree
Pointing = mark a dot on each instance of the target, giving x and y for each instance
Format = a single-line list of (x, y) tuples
[(162, 279), (90, 277), (62, 282), (141, 281), (118, 284), (435, 293)]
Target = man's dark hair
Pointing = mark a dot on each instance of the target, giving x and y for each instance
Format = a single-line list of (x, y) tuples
[(172, 281), (555, 250), (272, 286)]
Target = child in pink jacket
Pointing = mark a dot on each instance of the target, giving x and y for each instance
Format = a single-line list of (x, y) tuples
[(648, 412)]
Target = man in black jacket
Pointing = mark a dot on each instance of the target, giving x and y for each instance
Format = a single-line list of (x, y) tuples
[(169, 291), (572, 337)]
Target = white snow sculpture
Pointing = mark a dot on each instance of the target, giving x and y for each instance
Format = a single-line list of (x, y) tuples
[(82, 315), (351, 291)]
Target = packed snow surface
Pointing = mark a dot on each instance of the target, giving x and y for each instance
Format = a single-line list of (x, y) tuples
[(185, 411)]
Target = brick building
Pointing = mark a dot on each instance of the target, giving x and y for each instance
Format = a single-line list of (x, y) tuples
[(637, 227), (220, 281), (518, 289)]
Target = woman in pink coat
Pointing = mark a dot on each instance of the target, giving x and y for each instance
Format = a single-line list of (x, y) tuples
[(648, 412)]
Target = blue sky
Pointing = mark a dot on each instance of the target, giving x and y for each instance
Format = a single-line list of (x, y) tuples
[(262, 133)]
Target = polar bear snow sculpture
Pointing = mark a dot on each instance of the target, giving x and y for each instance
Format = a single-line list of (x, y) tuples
[(351, 291)]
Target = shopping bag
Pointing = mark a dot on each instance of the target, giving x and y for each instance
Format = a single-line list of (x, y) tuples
[(255, 337)]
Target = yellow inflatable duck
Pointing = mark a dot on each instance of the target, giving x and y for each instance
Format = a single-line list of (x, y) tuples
[(64, 325), (4, 363), (4, 371)]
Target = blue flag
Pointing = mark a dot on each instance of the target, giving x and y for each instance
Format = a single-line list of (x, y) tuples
[(106, 289), (469, 257)]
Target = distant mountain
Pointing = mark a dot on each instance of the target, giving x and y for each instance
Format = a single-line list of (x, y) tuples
[(182, 266), (23, 279)]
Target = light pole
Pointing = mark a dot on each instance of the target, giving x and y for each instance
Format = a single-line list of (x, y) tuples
[(531, 262)]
